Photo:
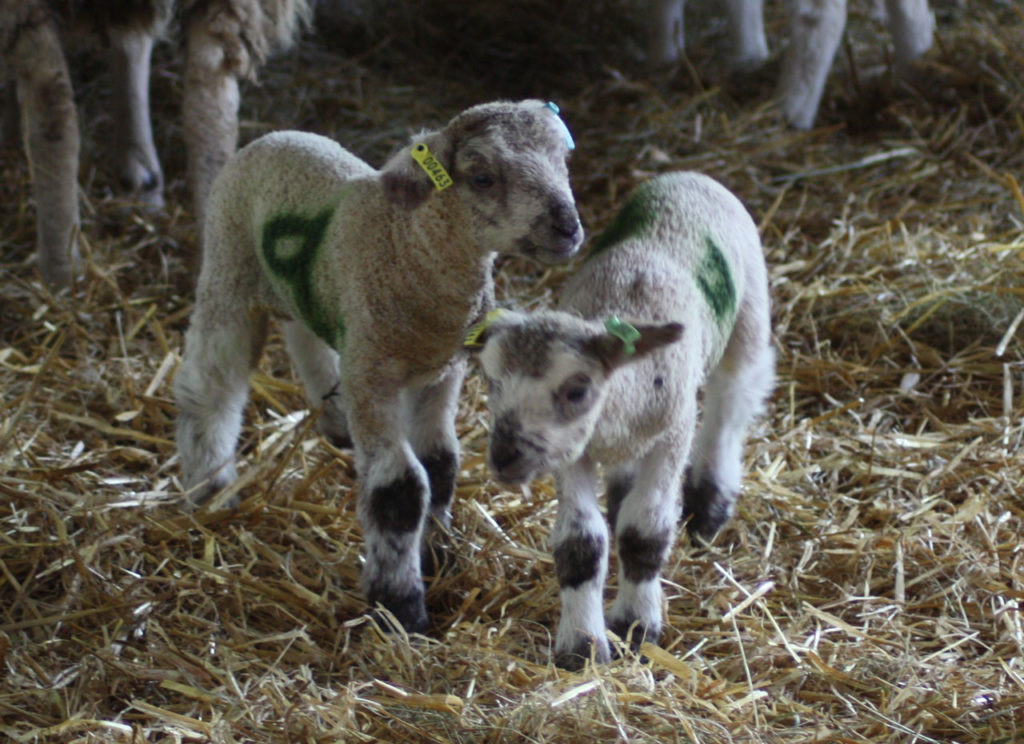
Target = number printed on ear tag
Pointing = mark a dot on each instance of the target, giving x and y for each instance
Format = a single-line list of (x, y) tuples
[(422, 155)]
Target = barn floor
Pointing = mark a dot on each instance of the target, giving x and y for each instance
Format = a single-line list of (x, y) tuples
[(870, 587)]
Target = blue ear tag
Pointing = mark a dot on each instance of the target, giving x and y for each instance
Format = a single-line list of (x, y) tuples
[(624, 332), (553, 107)]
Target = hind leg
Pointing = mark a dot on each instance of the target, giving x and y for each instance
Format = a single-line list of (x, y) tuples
[(139, 167), (436, 444), (50, 129), (319, 369), (211, 389), (734, 395)]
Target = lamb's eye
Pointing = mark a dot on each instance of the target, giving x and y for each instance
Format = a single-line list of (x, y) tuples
[(574, 394), (482, 181)]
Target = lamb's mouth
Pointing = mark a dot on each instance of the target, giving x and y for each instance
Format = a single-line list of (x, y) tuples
[(558, 250)]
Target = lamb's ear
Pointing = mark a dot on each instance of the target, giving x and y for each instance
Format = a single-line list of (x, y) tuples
[(623, 343), (418, 169)]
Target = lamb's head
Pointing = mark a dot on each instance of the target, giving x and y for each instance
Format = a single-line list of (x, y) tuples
[(505, 164), (548, 375)]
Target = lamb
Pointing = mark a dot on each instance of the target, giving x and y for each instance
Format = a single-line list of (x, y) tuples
[(225, 40), (816, 27), (382, 271), (673, 295)]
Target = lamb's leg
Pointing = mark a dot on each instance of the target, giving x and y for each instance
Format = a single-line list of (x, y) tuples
[(580, 547), (139, 167), (394, 498), (211, 100), (211, 388), (619, 482), (665, 32), (912, 26), (50, 128), (746, 27), (734, 395), (318, 368), (816, 27), (645, 529), (433, 437)]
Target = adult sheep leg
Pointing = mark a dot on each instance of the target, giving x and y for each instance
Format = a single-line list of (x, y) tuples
[(139, 166), (211, 99), (816, 27), (393, 500), (317, 365), (50, 128), (912, 26), (746, 31), (211, 389), (645, 528), (580, 547)]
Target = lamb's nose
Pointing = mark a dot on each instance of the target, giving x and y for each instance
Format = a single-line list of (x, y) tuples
[(565, 220), (504, 454)]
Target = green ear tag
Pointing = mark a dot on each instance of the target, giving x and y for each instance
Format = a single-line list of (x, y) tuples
[(624, 332), (472, 339)]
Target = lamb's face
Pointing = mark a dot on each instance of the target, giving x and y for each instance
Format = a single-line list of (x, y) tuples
[(546, 391), (510, 169)]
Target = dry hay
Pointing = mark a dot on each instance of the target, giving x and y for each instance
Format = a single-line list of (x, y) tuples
[(869, 589)]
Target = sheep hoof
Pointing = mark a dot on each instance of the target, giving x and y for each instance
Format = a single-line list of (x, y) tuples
[(409, 612), (633, 632), (585, 649)]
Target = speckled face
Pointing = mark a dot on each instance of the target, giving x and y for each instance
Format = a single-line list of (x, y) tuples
[(545, 396), (510, 165)]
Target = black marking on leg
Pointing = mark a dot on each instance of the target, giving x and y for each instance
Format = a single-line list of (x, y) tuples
[(706, 507), (641, 555), (409, 608), (440, 467), (618, 489), (398, 506), (578, 559)]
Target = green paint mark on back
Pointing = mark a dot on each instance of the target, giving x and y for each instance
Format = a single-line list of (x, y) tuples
[(716, 284), (635, 217), (290, 245)]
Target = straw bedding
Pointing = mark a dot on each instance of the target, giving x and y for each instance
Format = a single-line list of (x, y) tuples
[(870, 586)]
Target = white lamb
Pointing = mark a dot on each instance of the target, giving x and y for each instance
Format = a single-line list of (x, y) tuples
[(387, 269), (816, 27), (224, 40), (580, 386)]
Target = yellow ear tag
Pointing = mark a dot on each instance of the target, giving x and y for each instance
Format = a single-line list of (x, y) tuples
[(473, 337), (422, 155)]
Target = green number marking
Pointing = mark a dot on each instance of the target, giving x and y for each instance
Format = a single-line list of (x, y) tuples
[(715, 282), (290, 246), (635, 217)]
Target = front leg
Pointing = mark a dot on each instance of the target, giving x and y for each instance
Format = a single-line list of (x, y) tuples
[(645, 528), (580, 547), (393, 502)]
